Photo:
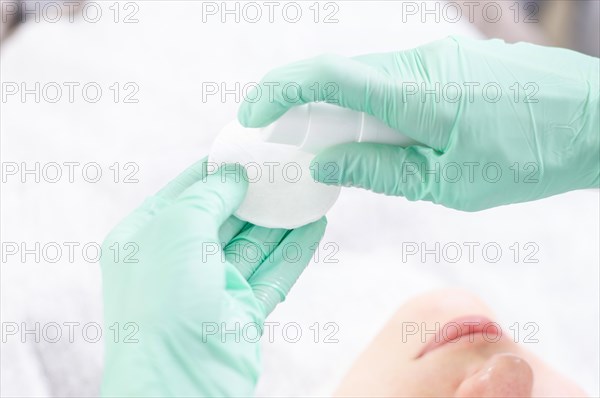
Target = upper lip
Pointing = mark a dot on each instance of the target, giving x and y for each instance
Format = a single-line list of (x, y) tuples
[(455, 329)]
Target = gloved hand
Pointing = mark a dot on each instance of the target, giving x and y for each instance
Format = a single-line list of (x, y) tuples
[(189, 274), (481, 147)]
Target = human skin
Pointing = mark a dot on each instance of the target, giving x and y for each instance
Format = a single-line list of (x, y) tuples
[(480, 364)]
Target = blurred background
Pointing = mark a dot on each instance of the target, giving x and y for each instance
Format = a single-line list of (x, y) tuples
[(152, 61), (564, 23)]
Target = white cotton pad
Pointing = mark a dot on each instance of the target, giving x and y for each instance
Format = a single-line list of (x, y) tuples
[(281, 191)]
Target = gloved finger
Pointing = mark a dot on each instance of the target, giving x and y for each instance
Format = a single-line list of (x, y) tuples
[(230, 228), (134, 221), (388, 169), (248, 249), (206, 204), (184, 180), (354, 84), (330, 78), (184, 237), (154, 204), (274, 278)]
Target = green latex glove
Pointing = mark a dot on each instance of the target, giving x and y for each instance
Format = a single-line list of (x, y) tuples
[(198, 274), (539, 138)]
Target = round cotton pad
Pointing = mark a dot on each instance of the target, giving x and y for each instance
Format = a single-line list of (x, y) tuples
[(281, 191)]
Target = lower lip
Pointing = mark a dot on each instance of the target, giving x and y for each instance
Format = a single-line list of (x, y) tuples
[(467, 326)]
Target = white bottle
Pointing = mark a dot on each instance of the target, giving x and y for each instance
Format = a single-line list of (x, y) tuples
[(281, 191)]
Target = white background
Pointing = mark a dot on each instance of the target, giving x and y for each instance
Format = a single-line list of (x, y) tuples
[(169, 54)]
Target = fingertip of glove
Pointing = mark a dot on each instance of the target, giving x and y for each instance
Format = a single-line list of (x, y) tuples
[(310, 234), (322, 226), (243, 114), (261, 112), (317, 226), (250, 115), (322, 223)]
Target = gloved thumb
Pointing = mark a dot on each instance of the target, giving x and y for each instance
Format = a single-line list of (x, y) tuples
[(381, 168), (216, 196)]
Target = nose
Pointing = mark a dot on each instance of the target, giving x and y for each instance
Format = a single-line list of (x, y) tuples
[(503, 375)]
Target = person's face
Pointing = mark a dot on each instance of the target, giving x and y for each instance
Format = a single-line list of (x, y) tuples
[(445, 344)]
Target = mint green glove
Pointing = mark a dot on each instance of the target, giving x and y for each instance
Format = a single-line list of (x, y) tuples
[(193, 285), (498, 123)]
